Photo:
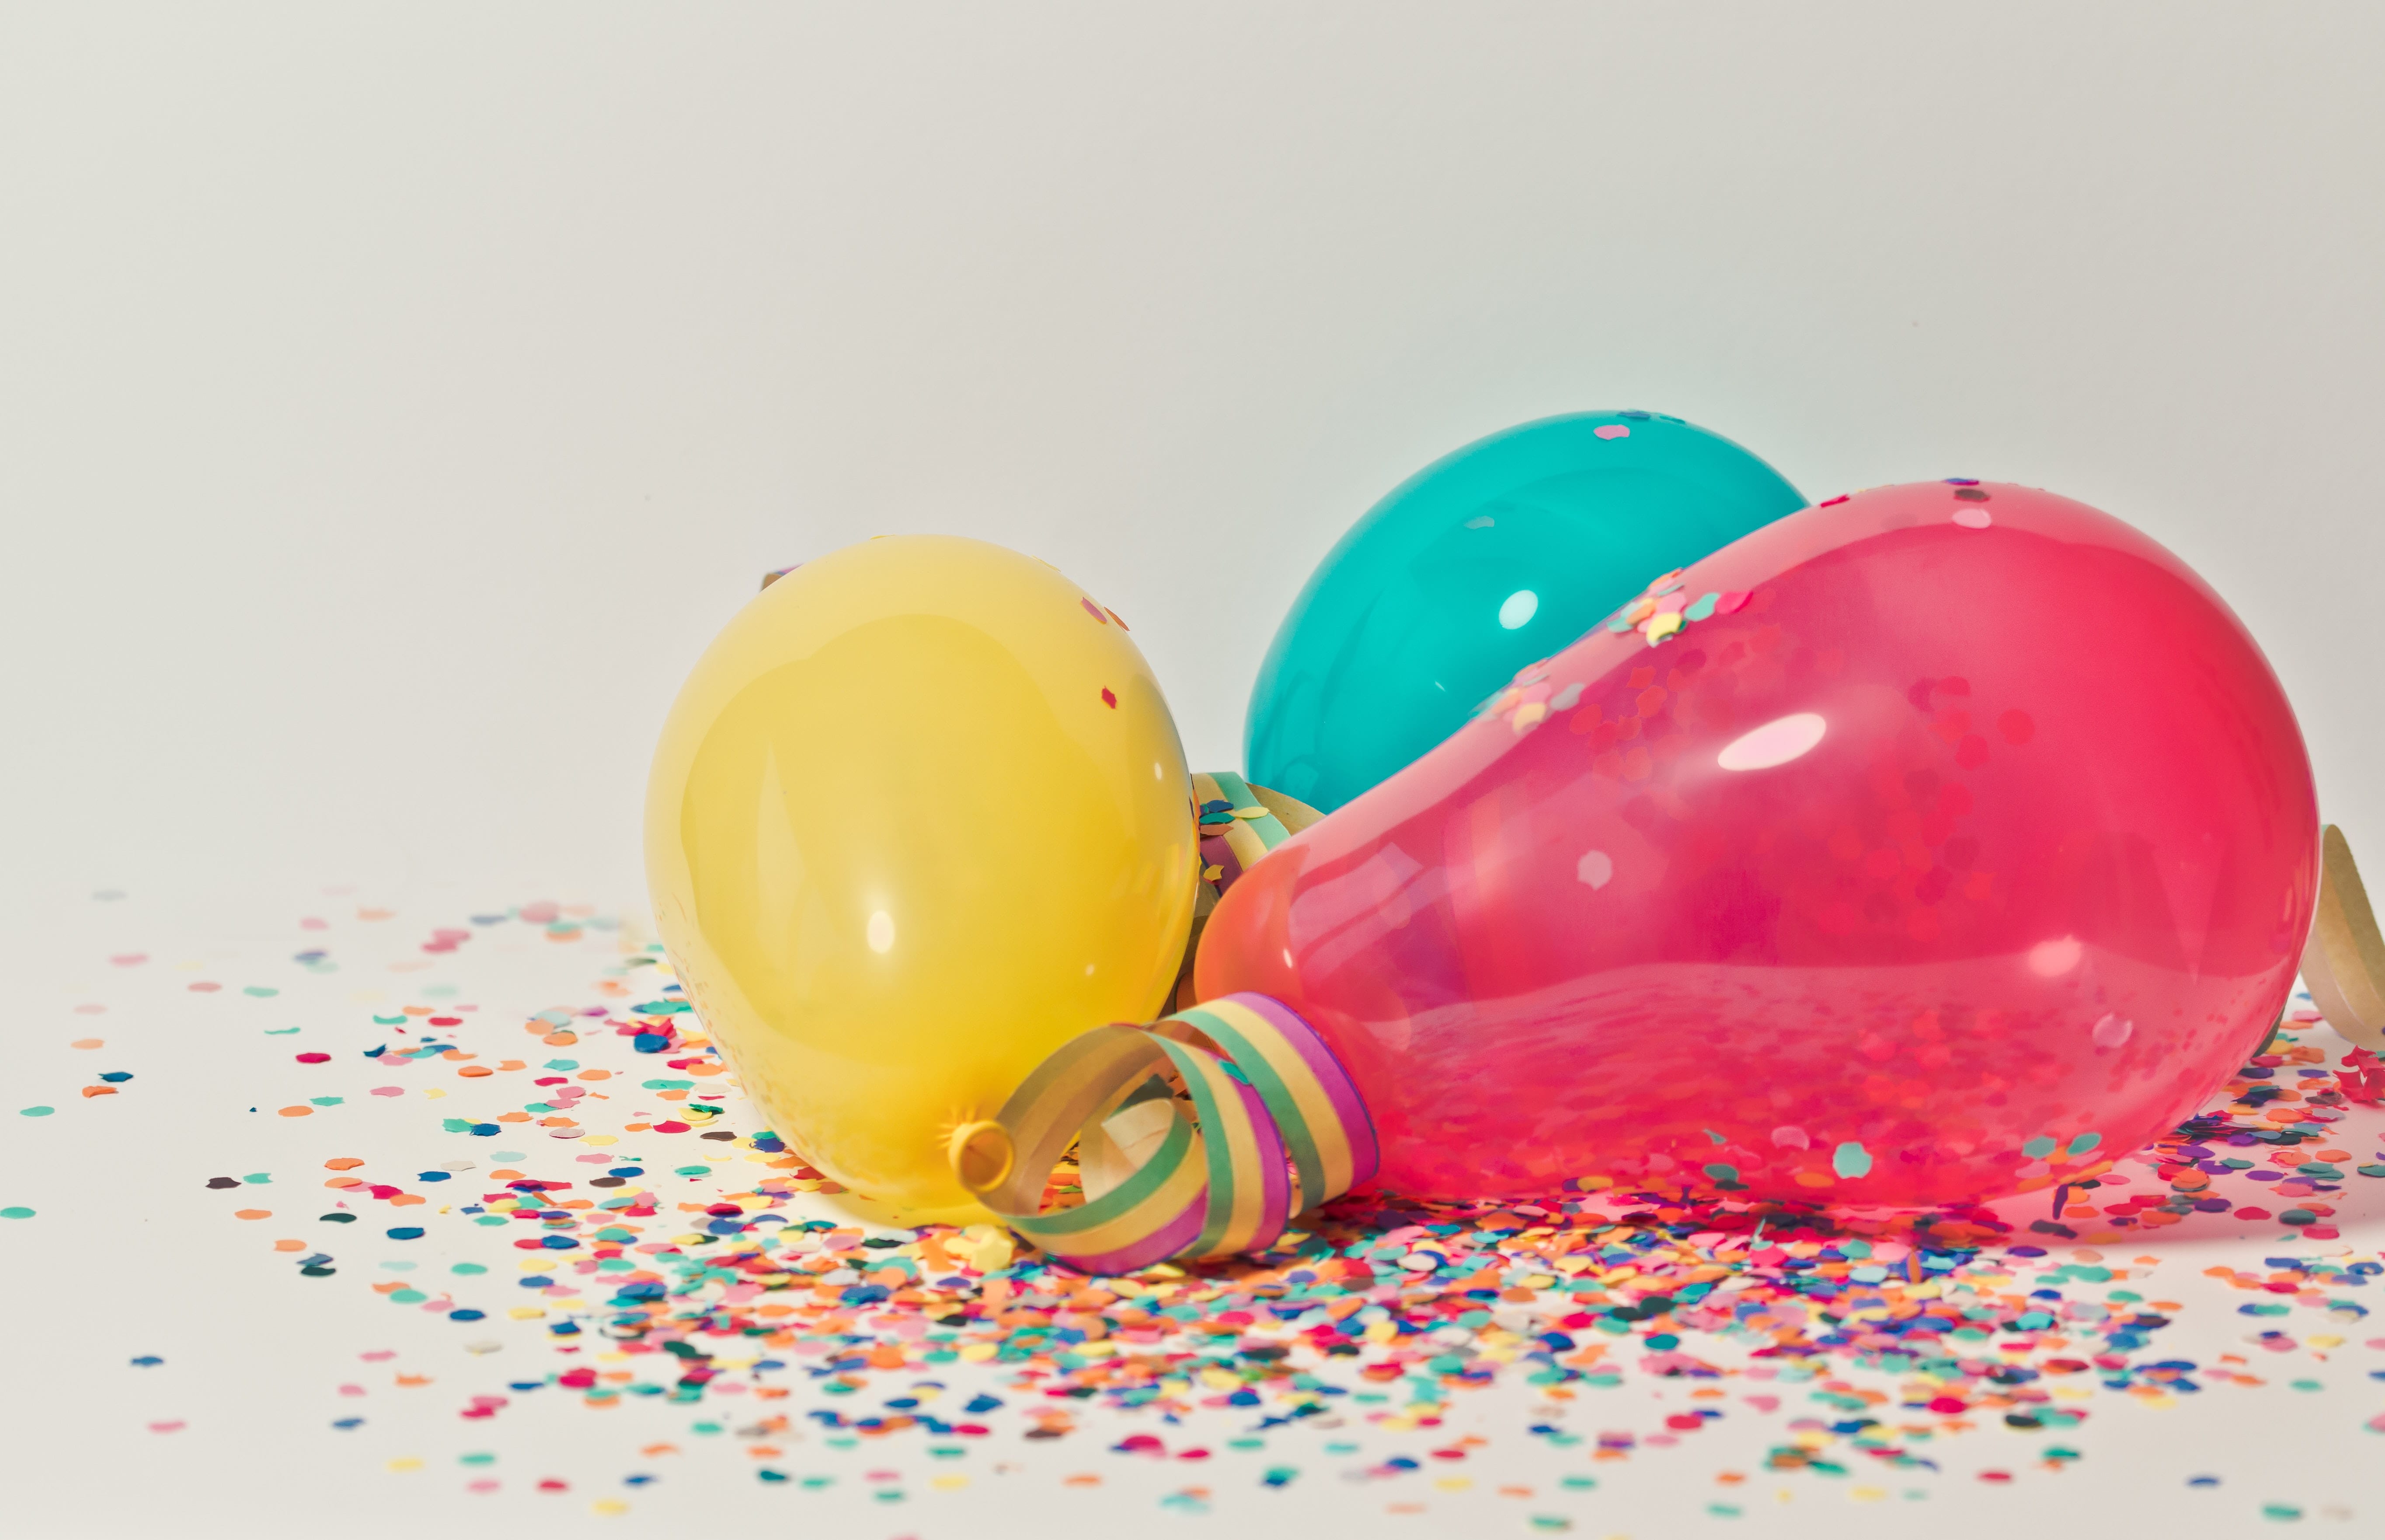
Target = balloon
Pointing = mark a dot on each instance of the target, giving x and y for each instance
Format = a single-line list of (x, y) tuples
[(918, 817), (1935, 844), (1484, 560)]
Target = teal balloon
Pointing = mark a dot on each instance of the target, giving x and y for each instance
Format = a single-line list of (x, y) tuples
[(1486, 560)]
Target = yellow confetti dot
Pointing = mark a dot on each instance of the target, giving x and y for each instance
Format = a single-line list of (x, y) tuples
[(608, 1507), (1455, 1483), (1866, 1493), (406, 1462), (1250, 812), (949, 1483), (1663, 625)]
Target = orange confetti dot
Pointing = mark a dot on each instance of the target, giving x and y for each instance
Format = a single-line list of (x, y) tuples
[(251, 1213), (296, 1111), (99, 1090), (87, 1043), (290, 1246), (343, 1163), (473, 1072)]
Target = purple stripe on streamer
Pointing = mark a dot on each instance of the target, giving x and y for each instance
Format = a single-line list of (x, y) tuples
[(1357, 1126), (1157, 1246), (1274, 1170)]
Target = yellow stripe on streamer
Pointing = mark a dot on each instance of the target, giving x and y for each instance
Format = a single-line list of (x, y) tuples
[(1197, 1136)]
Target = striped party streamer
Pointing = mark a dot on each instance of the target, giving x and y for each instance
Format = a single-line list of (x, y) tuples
[(1267, 1124), (1235, 824)]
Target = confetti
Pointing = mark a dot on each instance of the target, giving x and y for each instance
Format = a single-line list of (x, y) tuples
[(605, 1230)]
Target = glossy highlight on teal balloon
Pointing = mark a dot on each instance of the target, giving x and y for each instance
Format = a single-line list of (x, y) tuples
[(1487, 560)]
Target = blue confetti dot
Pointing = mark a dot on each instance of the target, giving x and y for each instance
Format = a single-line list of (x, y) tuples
[(407, 1232)]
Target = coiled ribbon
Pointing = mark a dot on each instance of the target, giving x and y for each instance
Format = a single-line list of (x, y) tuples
[(1269, 1125)]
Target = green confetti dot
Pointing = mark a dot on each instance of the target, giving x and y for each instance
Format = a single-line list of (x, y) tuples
[(45, 1111), (16, 1213), (1851, 1159), (2084, 1143), (259, 1177), (691, 1171), (327, 1101), (261, 992), (2039, 1147), (1721, 1172), (467, 1268)]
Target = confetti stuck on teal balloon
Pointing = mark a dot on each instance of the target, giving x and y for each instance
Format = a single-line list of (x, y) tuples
[(1489, 558)]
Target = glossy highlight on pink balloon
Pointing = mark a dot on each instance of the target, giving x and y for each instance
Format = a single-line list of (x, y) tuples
[(1938, 843)]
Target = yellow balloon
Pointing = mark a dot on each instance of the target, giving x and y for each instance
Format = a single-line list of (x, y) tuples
[(918, 817)]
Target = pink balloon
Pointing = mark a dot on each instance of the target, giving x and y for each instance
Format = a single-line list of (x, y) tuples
[(1959, 840)]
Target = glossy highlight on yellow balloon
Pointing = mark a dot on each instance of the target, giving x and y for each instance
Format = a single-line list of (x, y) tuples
[(919, 816)]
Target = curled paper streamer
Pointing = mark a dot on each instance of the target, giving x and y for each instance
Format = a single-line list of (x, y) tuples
[(1269, 1125), (1235, 824), (2343, 961)]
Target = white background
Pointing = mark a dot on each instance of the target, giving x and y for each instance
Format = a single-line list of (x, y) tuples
[(394, 398)]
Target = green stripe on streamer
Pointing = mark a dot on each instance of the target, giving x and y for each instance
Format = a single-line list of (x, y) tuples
[(1249, 1061), (1052, 1231), (1220, 1164), (1237, 791)]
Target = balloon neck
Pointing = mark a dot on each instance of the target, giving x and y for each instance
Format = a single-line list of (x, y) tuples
[(1198, 1135), (1235, 825)]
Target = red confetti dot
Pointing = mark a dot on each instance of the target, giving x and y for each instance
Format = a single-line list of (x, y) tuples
[(314, 1059), (1109, 699)]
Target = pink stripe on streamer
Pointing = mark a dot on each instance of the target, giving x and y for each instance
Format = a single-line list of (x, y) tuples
[(1157, 1246), (1275, 1170), (1357, 1125)]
